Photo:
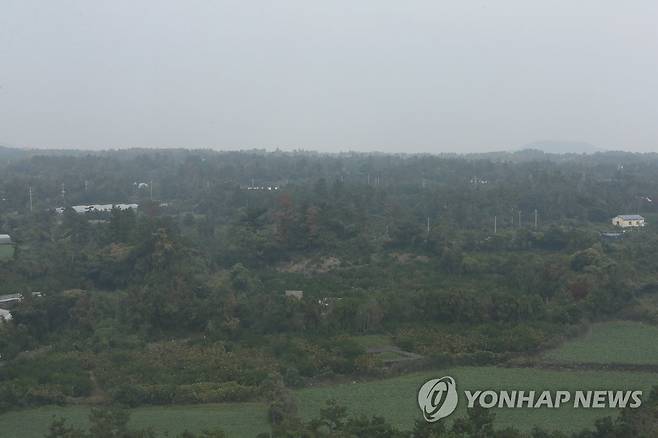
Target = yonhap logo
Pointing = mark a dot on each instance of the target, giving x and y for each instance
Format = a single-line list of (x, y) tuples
[(438, 398)]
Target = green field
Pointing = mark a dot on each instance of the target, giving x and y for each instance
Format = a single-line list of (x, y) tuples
[(6, 251), (394, 399), (239, 420), (617, 342)]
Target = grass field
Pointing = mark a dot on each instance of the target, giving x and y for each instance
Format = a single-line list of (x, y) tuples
[(394, 399), (6, 251), (239, 420), (612, 342)]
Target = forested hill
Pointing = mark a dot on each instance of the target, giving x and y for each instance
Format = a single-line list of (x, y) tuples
[(468, 190)]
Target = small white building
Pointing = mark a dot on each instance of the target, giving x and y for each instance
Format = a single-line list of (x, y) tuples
[(81, 209), (5, 314), (5, 239), (9, 299), (628, 221)]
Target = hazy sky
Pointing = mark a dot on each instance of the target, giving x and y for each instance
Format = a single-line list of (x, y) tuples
[(328, 75)]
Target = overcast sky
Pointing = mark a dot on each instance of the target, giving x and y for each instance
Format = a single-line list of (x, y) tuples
[(331, 75)]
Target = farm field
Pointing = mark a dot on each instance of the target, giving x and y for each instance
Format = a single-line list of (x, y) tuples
[(615, 342), (393, 398)]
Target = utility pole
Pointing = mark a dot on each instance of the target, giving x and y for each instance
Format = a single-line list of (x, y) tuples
[(151, 189), (535, 218), (519, 218), (30, 190), (428, 226), (495, 224)]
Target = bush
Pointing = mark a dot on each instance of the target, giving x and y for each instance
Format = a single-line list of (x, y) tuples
[(130, 395), (206, 392), (214, 393)]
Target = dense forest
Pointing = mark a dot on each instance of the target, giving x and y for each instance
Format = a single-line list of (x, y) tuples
[(243, 274)]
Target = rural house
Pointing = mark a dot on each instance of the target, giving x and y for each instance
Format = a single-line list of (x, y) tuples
[(5, 239), (628, 220)]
